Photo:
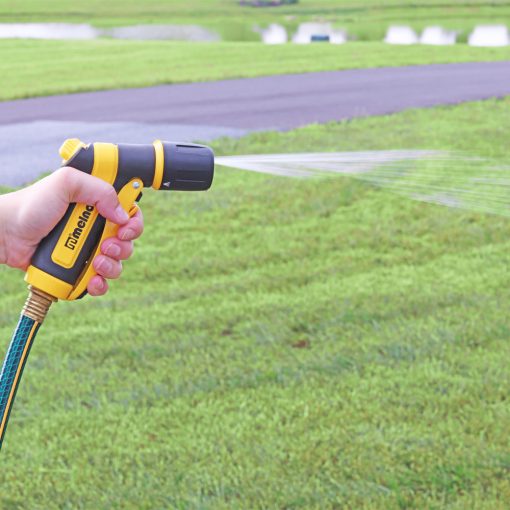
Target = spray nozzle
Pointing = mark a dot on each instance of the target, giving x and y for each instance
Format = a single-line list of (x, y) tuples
[(187, 167)]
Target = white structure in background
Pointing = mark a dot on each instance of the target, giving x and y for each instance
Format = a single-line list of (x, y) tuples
[(438, 36), (489, 35), (47, 31), (162, 32), (338, 37), (306, 31), (401, 35), (274, 34)]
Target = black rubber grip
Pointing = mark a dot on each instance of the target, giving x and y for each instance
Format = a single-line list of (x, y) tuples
[(42, 257), (83, 160), (135, 161)]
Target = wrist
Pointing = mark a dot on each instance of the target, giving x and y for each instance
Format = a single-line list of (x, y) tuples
[(8, 215), (3, 228)]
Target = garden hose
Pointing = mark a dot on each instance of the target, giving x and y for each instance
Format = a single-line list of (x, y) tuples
[(36, 307)]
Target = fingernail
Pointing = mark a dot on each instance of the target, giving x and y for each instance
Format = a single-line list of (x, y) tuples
[(112, 251), (104, 265), (121, 215), (127, 234)]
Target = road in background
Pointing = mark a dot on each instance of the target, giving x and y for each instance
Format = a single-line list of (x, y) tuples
[(31, 130)]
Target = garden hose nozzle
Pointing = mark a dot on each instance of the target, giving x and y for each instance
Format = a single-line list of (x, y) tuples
[(62, 264), (61, 267)]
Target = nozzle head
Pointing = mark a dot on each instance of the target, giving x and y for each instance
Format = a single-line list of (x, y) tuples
[(187, 167)]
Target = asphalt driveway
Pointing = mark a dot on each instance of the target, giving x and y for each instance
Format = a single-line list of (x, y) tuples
[(31, 130)]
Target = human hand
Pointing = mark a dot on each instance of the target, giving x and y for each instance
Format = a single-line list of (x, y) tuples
[(30, 214)]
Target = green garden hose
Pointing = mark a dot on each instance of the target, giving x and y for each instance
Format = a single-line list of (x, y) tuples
[(32, 316)]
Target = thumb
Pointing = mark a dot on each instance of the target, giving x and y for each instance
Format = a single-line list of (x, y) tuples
[(76, 186)]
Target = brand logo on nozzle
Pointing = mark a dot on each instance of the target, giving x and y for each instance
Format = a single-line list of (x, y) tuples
[(74, 235), (83, 219)]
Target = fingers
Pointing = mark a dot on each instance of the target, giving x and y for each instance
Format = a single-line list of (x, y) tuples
[(76, 186), (133, 229), (117, 249), (108, 264), (97, 286), (107, 267), (79, 187)]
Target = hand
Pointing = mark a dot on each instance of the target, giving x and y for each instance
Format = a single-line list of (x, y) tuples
[(29, 215)]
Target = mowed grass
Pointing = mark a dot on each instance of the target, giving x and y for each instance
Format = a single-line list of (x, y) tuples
[(364, 19), (35, 68), (282, 343)]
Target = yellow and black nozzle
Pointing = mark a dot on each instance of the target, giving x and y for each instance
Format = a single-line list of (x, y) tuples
[(161, 165), (62, 264)]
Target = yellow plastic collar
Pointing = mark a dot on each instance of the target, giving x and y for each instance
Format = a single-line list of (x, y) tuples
[(160, 164)]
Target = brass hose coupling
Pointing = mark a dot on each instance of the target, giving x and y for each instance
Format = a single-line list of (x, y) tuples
[(37, 304)]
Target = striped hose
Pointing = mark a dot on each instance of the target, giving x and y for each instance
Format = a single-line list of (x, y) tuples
[(13, 366)]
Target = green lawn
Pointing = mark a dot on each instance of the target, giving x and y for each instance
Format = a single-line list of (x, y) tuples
[(34, 68), (365, 19), (282, 343)]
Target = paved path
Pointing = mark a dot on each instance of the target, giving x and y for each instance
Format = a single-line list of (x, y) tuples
[(204, 111)]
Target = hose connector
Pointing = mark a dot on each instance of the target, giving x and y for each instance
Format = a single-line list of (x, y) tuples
[(37, 304)]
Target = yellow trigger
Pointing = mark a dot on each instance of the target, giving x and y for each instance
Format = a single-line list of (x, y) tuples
[(127, 197)]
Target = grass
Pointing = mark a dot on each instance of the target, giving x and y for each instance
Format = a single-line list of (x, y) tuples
[(34, 68), (365, 19), (282, 343)]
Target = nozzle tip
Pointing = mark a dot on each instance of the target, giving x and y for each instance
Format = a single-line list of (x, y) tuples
[(188, 167)]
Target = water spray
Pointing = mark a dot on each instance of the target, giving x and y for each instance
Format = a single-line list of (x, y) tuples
[(439, 177), (61, 267)]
